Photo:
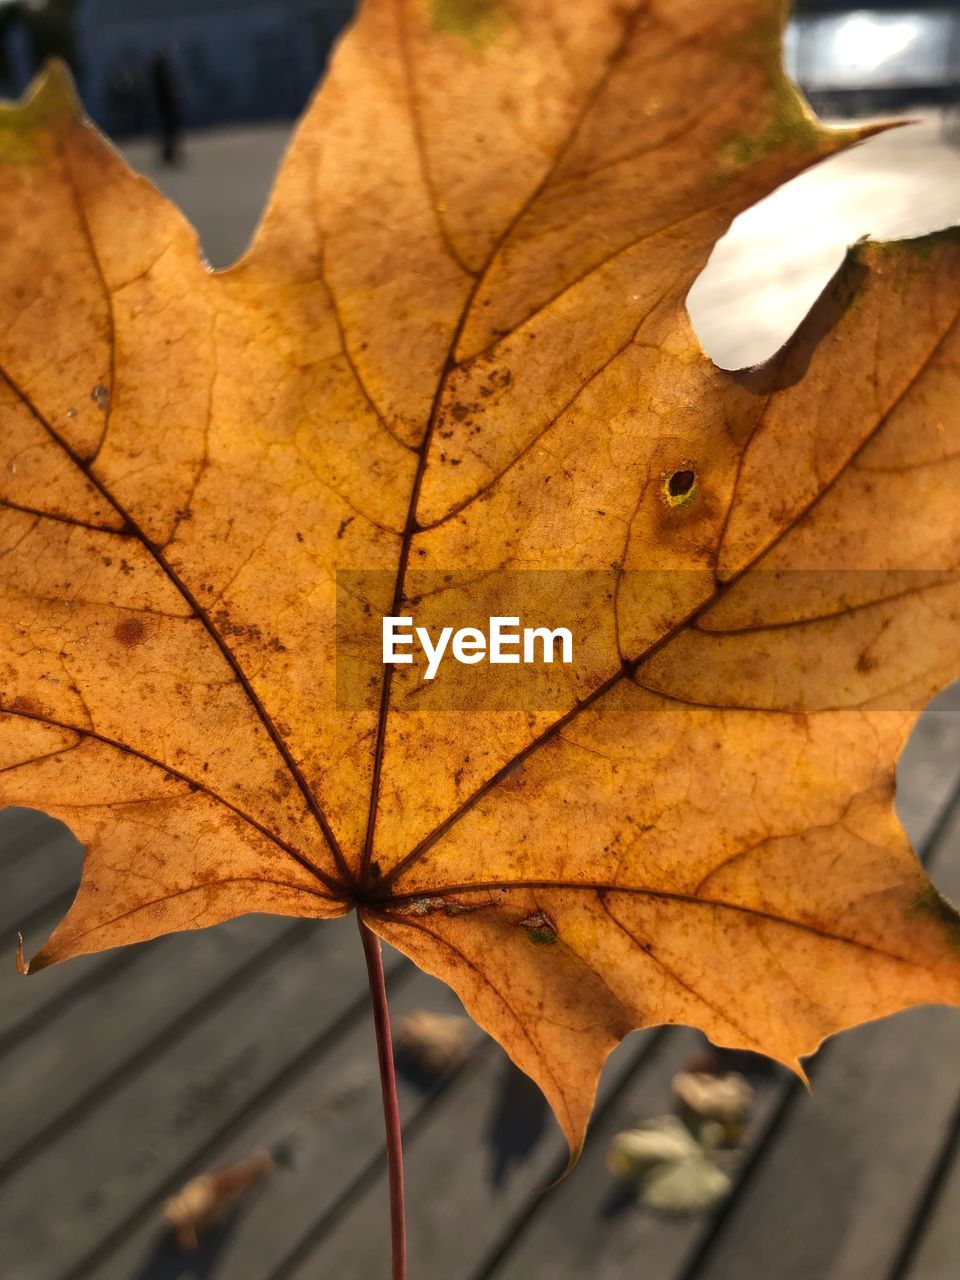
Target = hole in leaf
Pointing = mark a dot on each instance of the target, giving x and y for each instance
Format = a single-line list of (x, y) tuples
[(765, 274), (680, 486), (680, 483)]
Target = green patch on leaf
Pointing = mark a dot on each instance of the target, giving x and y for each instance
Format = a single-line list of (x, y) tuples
[(789, 123), (848, 284), (680, 487), (544, 937), (51, 99), (540, 929), (846, 291), (932, 904), (904, 259), (917, 251), (479, 22), (788, 127)]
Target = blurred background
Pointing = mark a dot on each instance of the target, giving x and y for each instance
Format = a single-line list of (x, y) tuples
[(200, 94), (127, 1075)]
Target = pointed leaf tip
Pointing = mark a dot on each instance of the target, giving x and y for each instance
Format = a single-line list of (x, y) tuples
[(49, 106), (54, 87)]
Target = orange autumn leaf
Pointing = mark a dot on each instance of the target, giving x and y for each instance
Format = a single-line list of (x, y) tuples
[(455, 367)]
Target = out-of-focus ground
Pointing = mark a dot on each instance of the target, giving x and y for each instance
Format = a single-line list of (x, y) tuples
[(764, 274), (221, 185)]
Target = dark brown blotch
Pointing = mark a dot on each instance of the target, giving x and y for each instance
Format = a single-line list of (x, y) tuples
[(130, 632)]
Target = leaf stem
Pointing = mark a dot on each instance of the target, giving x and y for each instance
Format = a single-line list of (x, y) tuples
[(388, 1085)]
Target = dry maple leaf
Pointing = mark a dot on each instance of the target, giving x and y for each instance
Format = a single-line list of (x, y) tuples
[(459, 345), (206, 1198)]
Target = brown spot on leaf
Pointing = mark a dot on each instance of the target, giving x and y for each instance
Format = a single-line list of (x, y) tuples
[(130, 632)]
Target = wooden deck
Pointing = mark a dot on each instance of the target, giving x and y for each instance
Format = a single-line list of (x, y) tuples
[(125, 1073)]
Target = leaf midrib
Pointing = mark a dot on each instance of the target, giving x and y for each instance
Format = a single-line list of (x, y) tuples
[(411, 526)]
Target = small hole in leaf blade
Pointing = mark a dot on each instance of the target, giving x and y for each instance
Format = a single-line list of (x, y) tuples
[(680, 483), (679, 487)]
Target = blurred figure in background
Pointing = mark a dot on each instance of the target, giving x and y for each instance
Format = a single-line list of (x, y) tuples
[(167, 100), (129, 100)]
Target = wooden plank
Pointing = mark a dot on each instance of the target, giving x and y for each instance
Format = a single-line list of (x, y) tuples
[(64, 1204), (39, 870), (44, 868), (929, 768), (25, 1003), (936, 1256), (327, 1122), (485, 1150), (15, 826), (839, 1187), (132, 1009), (590, 1225), (22, 830)]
